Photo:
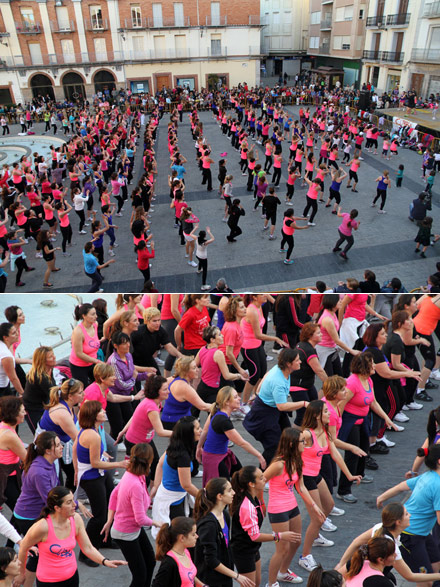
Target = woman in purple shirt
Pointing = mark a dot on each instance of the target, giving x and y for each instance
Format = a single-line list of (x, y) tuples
[(126, 376)]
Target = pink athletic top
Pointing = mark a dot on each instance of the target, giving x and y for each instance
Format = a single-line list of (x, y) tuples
[(57, 561), (210, 370), (335, 416), (356, 308), (64, 220), (93, 392), (312, 192), (141, 428), (48, 213), (277, 162), (366, 571), (90, 347), (281, 493), (326, 338), (344, 228), (232, 336), (312, 456), (166, 313), (187, 574), (249, 340), (355, 165), (359, 405), (8, 457)]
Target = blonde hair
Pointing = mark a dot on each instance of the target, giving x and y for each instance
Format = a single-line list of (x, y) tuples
[(223, 396), (150, 313), (102, 371), (332, 386), (183, 365), (62, 392), (38, 369)]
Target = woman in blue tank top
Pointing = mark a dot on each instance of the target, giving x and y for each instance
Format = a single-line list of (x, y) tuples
[(383, 182)]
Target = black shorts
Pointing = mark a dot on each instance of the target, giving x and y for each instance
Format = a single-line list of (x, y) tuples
[(283, 516), (334, 195), (255, 362), (353, 175), (312, 482), (245, 563), (51, 222), (272, 216), (419, 552)]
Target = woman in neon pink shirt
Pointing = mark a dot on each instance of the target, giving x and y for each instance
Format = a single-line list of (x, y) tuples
[(312, 199), (65, 227), (346, 231), (284, 476), (57, 534), (355, 428)]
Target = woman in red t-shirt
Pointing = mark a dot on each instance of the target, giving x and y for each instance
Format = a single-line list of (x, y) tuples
[(194, 321)]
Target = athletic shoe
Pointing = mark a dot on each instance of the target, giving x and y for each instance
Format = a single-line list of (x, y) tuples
[(328, 526), (238, 415), (406, 409), (423, 396), (401, 417), (337, 511), (435, 374), (272, 237), (82, 232), (289, 577), (321, 541), (348, 498), (431, 385), (388, 443), (311, 224), (371, 464), (367, 479), (282, 250), (111, 253), (121, 447), (269, 358), (413, 406), (245, 409), (159, 362), (307, 562), (379, 449), (205, 287), (192, 263), (288, 262), (186, 255), (398, 428), (276, 584)]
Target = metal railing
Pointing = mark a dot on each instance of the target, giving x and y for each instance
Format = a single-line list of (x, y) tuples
[(401, 19), (372, 55), (375, 21), (432, 10), (28, 28), (425, 55), (395, 57), (62, 27), (326, 23), (324, 49), (96, 24), (189, 21)]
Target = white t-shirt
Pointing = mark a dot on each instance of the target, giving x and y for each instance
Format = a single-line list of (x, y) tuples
[(4, 352), (396, 540), (201, 251)]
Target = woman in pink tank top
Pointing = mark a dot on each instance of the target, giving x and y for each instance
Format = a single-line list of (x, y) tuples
[(12, 451), (328, 348), (318, 442), (284, 476), (252, 348), (85, 344), (370, 560), (124, 303), (56, 536), (172, 544)]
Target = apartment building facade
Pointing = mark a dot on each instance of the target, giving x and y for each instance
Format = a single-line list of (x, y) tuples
[(423, 73), (284, 35), (336, 39), (67, 48)]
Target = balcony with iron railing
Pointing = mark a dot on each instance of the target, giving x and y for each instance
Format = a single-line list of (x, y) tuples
[(326, 23), (28, 28), (324, 49), (62, 27), (432, 10), (426, 55), (371, 55), (96, 24), (398, 20), (108, 57), (189, 21), (4, 34), (392, 56), (375, 21)]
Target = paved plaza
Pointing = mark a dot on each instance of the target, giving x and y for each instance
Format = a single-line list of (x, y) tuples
[(383, 243)]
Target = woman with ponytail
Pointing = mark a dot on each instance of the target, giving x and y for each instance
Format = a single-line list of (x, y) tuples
[(127, 509), (395, 520), (12, 449), (172, 544), (56, 534), (284, 475), (247, 518), (320, 578), (212, 449), (420, 549), (368, 563), (213, 554), (59, 417)]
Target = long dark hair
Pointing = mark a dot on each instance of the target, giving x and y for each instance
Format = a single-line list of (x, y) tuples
[(240, 481), (55, 498), (207, 497), (433, 424), (182, 438), (312, 413), (44, 441), (169, 533), (288, 451), (376, 548)]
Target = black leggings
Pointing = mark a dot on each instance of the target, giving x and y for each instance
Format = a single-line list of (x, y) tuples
[(84, 374), (203, 267), (170, 326), (255, 363), (98, 492), (268, 163), (287, 238), (342, 238), (21, 264), (72, 582), (383, 195), (66, 232), (276, 176), (313, 204), (82, 219), (118, 415), (141, 559)]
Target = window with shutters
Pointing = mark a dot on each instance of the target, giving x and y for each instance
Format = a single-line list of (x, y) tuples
[(157, 15), (216, 45), (35, 53), (100, 49), (215, 13), (136, 15), (178, 14), (96, 17), (68, 50), (62, 18)]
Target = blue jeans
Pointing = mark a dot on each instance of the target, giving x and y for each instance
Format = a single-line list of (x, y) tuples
[(96, 281)]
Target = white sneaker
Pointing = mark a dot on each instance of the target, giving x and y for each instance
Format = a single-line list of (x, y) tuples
[(435, 374), (307, 562), (192, 263), (237, 415), (406, 409), (82, 232), (245, 409), (321, 541), (388, 443), (413, 406), (398, 428), (401, 417), (276, 584), (269, 358), (337, 511), (111, 253), (328, 526), (121, 447), (230, 444), (288, 577)]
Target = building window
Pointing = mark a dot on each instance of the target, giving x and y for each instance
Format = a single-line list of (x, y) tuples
[(178, 14), (35, 53), (315, 17), (157, 15), (434, 41), (96, 17), (215, 13), (138, 45), (27, 16), (136, 16), (68, 50), (313, 42), (180, 45), (63, 18), (361, 14), (344, 13), (216, 45), (100, 49), (341, 42)]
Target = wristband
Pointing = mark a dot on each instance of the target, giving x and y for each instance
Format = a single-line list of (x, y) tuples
[(103, 561), (132, 397), (238, 574)]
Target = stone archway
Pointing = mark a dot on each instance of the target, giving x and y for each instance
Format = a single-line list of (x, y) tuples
[(41, 85)]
